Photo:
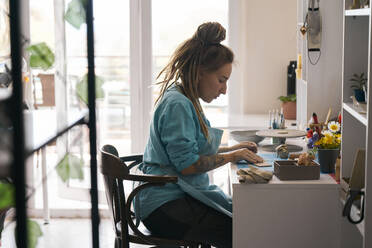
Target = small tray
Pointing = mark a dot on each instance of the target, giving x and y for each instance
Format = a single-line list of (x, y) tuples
[(290, 170)]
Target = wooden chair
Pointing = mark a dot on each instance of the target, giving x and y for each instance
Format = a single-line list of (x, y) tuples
[(116, 170)]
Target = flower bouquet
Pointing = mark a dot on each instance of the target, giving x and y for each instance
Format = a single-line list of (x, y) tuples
[(331, 138), (328, 147)]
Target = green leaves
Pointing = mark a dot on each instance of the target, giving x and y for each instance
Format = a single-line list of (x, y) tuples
[(41, 56), (70, 167), (76, 13), (7, 200), (290, 98), (360, 81), (82, 88), (6, 195), (34, 232)]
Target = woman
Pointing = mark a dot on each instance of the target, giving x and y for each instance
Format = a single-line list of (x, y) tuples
[(182, 143)]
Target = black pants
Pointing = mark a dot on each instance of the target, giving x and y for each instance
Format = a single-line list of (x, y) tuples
[(189, 219)]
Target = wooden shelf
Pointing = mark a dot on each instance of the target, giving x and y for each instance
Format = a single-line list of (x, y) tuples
[(354, 112), (358, 12)]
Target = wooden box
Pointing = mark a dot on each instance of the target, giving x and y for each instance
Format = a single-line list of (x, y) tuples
[(290, 170)]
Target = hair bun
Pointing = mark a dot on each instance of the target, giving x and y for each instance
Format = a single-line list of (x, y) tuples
[(210, 33)]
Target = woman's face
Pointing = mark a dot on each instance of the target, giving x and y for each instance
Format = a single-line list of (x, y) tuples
[(212, 84)]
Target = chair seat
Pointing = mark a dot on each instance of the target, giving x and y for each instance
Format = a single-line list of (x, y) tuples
[(136, 239), (141, 228)]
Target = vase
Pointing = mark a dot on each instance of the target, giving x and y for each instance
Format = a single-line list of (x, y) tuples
[(327, 159), (289, 110), (359, 95)]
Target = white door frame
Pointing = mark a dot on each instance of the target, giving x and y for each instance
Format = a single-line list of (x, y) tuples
[(140, 67)]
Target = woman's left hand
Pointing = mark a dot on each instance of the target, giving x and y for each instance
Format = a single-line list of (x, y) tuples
[(249, 145)]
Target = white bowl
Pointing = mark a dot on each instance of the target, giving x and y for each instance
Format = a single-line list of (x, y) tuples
[(246, 135)]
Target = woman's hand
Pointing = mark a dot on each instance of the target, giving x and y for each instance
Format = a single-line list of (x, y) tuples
[(247, 144), (248, 155), (206, 163)]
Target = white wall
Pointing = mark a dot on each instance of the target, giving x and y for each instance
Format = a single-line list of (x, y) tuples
[(321, 83), (269, 35), (325, 78)]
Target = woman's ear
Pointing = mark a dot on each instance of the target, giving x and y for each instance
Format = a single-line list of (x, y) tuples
[(201, 73)]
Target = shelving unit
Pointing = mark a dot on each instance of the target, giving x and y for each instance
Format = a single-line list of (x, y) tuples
[(354, 112), (358, 12), (356, 131)]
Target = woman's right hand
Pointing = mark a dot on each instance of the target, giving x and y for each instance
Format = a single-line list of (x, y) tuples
[(245, 154)]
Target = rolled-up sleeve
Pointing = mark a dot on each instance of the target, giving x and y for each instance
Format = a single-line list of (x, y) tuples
[(178, 128)]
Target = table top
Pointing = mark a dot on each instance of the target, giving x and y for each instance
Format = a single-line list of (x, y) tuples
[(324, 180), (281, 133)]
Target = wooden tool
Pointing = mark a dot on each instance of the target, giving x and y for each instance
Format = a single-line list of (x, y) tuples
[(328, 115)]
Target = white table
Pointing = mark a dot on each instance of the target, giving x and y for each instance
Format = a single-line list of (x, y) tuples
[(286, 214)]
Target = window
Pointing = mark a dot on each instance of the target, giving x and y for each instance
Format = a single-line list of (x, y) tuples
[(123, 30), (112, 65), (174, 21)]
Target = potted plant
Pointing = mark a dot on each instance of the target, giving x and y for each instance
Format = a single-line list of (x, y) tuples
[(359, 86), (289, 106), (328, 147)]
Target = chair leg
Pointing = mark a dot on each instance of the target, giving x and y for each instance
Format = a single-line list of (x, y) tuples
[(205, 246), (117, 243)]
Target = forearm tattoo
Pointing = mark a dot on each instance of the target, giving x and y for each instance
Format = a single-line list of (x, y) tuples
[(224, 149), (207, 163)]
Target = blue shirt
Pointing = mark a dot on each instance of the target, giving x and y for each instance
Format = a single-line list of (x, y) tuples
[(175, 140)]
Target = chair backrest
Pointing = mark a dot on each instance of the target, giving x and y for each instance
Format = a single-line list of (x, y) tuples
[(112, 169)]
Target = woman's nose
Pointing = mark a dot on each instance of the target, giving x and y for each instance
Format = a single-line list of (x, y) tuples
[(224, 89)]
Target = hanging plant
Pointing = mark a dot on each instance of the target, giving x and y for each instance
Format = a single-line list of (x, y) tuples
[(70, 167), (7, 192), (33, 233), (82, 88), (41, 56), (6, 195), (76, 13)]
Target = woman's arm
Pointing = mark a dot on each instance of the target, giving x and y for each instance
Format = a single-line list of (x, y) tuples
[(247, 144), (207, 163)]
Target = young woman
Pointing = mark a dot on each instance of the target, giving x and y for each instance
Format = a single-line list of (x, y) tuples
[(182, 143)]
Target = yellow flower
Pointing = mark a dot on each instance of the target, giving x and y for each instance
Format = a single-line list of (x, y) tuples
[(26, 79), (334, 127), (329, 140)]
